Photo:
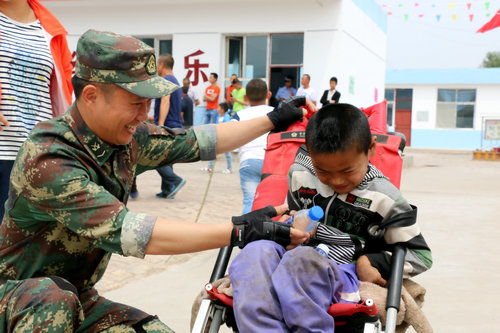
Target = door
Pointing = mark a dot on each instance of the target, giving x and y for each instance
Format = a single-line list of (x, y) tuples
[(404, 102)]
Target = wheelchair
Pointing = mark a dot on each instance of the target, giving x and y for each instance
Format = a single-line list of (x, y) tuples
[(280, 153)]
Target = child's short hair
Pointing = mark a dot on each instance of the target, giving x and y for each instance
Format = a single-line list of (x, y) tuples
[(224, 106), (338, 127)]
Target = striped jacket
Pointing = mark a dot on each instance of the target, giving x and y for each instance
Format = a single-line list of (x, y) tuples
[(367, 221)]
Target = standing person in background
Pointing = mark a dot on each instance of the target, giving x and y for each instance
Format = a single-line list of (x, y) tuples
[(224, 117), (238, 96), (211, 96), (252, 154), (306, 90), (229, 91), (35, 77), (191, 92), (168, 113), (286, 91), (186, 109), (331, 95)]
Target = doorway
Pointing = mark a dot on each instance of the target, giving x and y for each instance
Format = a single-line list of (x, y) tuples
[(404, 102), (277, 80)]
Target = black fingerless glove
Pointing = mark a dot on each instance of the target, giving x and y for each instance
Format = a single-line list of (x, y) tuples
[(258, 225), (287, 113)]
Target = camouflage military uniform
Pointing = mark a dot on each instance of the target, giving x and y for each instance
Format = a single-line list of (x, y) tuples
[(66, 215)]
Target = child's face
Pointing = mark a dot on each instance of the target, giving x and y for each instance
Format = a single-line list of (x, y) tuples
[(342, 171), (220, 111)]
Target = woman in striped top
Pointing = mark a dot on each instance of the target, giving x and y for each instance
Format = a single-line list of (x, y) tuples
[(35, 77)]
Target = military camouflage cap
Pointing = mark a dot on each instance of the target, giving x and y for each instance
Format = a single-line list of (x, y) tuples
[(107, 57)]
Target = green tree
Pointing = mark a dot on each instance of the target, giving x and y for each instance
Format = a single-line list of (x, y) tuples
[(492, 59)]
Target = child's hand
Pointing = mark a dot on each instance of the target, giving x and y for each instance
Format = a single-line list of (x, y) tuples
[(366, 272), (297, 237), (285, 217)]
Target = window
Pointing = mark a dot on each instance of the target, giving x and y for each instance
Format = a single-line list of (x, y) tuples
[(389, 96), (161, 45), (247, 56), (287, 49), (455, 108)]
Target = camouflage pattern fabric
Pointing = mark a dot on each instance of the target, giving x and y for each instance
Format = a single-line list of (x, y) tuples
[(107, 57), (40, 305), (66, 211)]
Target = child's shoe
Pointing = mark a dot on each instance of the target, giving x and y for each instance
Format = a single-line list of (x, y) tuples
[(207, 170), (227, 171)]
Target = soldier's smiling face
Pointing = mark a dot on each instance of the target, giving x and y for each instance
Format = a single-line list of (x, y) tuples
[(117, 115)]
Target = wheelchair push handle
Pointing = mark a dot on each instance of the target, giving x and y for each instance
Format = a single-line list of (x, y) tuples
[(396, 281)]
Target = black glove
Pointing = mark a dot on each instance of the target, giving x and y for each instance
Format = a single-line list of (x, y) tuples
[(287, 113), (258, 225)]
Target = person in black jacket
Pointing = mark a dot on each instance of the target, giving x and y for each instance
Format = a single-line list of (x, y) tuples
[(331, 95)]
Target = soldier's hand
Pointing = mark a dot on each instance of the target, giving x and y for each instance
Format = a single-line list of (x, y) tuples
[(287, 113), (3, 121), (258, 225)]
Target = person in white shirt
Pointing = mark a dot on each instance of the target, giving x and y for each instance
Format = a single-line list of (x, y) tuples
[(306, 90), (191, 92), (252, 154)]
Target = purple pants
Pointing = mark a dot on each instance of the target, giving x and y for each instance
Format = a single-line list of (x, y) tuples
[(275, 290)]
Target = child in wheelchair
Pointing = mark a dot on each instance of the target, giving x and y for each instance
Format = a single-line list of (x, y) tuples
[(365, 216)]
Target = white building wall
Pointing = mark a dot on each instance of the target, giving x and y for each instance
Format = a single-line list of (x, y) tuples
[(424, 107), (425, 134), (362, 58), (339, 38)]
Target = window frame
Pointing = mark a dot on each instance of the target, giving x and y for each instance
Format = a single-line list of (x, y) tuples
[(455, 104), (243, 56)]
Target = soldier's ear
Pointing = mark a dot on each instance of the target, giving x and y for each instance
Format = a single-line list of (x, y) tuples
[(89, 95)]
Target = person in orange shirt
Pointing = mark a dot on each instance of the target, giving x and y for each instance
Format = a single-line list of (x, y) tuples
[(211, 96), (229, 91)]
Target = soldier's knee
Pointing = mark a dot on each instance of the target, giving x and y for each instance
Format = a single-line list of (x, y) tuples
[(46, 297), (56, 290)]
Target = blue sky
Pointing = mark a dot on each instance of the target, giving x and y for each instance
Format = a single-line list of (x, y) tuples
[(439, 33)]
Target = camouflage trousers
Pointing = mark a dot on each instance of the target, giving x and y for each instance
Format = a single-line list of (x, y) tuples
[(52, 304)]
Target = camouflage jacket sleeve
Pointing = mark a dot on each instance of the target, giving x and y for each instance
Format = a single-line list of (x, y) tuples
[(159, 145), (57, 190)]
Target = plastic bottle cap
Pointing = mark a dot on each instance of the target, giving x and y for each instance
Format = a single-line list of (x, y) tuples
[(323, 250), (316, 213), (323, 247)]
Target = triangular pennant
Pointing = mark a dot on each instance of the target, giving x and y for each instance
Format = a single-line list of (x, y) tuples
[(406, 17), (469, 5), (471, 16), (454, 17), (487, 5), (438, 17)]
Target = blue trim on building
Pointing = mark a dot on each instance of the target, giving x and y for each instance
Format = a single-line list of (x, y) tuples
[(443, 76), (374, 11), (448, 139)]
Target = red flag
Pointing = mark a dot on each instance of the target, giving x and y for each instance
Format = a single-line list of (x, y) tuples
[(492, 24), (377, 117)]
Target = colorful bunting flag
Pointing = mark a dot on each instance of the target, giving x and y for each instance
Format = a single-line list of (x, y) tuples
[(451, 10)]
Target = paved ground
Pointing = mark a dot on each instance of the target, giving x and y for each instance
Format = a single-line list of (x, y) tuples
[(459, 206)]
